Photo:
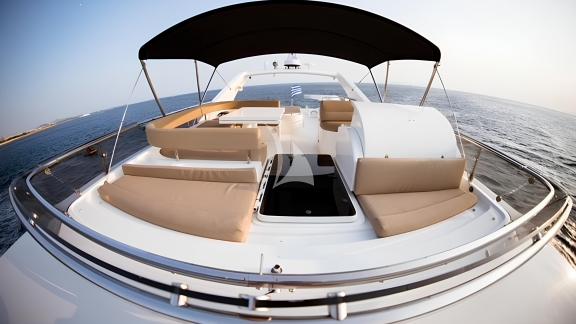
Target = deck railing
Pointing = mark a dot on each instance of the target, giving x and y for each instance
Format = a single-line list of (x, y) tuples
[(537, 208)]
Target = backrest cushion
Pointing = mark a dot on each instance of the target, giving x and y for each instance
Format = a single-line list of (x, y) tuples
[(383, 175), (230, 175), (205, 138), (177, 119), (336, 110)]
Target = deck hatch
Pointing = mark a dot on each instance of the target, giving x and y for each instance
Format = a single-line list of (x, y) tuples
[(305, 185)]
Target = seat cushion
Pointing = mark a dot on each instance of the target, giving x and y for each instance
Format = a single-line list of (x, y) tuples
[(332, 126), (396, 213), (216, 210)]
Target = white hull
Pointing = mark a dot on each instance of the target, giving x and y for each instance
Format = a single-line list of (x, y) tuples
[(36, 288)]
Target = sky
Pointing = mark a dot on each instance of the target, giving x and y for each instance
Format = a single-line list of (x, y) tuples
[(63, 58)]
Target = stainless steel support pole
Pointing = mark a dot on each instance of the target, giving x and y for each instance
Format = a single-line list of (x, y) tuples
[(429, 84), (376, 85), (152, 88), (198, 83), (207, 85), (473, 171), (386, 81)]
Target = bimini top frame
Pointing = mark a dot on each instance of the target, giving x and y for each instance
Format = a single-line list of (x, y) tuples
[(271, 27), (288, 26)]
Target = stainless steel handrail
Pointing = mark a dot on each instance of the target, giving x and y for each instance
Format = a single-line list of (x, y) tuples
[(296, 280), (147, 300)]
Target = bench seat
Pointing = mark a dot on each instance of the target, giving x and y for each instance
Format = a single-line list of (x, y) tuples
[(210, 143), (397, 213), (209, 138), (211, 203), (403, 195)]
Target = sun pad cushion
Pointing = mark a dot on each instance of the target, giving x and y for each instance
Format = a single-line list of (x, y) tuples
[(217, 210)]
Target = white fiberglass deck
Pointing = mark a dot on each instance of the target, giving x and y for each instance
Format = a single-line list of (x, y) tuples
[(298, 248)]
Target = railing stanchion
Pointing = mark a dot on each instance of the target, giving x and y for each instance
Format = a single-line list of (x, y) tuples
[(473, 171)]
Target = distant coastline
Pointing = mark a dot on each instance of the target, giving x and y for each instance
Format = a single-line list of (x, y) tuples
[(41, 128), (13, 138)]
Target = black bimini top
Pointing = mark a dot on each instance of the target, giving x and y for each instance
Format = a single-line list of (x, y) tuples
[(272, 27)]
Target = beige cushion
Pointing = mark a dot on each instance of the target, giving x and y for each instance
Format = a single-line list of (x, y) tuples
[(402, 195), (392, 214), (382, 175), (291, 110), (214, 123), (258, 154), (180, 118), (217, 210), (334, 113), (163, 132), (237, 175), (333, 125), (336, 110), (227, 105), (206, 138), (177, 119)]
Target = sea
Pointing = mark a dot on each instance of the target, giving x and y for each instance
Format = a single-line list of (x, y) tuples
[(541, 138)]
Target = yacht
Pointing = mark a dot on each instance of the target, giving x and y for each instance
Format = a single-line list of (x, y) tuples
[(255, 210)]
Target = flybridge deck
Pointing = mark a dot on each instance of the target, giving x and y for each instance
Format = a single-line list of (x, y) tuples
[(308, 255), (299, 200), (181, 222)]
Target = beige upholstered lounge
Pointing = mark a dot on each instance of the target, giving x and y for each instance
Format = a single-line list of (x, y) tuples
[(402, 195), (212, 203), (288, 110), (214, 123), (229, 105), (236, 144), (334, 113), (213, 143), (183, 117)]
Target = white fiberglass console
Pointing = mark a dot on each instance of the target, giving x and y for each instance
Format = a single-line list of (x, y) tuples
[(383, 130)]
